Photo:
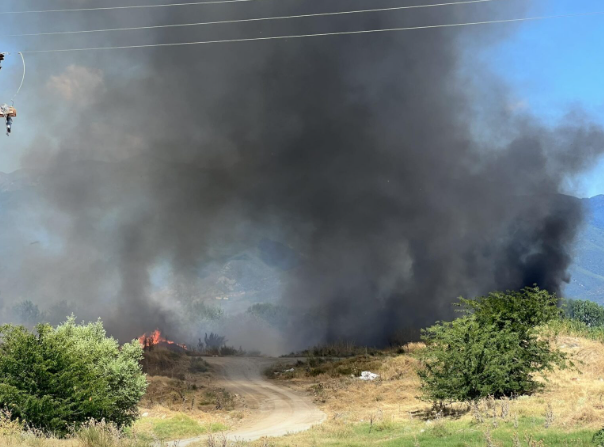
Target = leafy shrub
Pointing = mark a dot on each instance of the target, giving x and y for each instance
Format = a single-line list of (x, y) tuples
[(493, 350), (59, 378), (198, 365), (220, 398), (587, 312), (230, 350), (598, 438)]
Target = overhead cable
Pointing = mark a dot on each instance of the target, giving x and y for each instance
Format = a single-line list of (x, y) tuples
[(258, 19), (202, 3), (22, 79), (301, 36)]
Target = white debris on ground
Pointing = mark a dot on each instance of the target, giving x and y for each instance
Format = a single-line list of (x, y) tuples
[(367, 375), (289, 370)]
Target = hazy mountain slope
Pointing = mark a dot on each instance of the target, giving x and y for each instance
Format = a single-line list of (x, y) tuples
[(257, 274), (588, 269)]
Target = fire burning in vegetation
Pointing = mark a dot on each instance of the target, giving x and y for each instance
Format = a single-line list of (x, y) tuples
[(155, 338)]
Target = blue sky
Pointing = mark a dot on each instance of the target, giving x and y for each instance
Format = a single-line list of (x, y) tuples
[(551, 66), (554, 65)]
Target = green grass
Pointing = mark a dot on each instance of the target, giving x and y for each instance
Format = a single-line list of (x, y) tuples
[(439, 434), (178, 427)]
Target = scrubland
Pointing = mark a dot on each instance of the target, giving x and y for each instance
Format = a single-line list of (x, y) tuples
[(183, 401), (389, 411)]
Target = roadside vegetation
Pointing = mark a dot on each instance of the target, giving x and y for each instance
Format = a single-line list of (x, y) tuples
[(59, 378), (494, 349), (181, 400), (514, 370)]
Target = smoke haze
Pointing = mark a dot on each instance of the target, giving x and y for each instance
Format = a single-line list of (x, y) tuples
[(394, 165)]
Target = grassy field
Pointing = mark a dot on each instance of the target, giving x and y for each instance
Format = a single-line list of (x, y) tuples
[(177, 426), (528, 433)]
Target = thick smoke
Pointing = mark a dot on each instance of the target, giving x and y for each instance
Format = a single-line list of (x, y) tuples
[(394, 164)]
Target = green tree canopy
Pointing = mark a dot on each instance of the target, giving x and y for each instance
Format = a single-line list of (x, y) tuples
[(587, 312), (492, 350), (54, 378)]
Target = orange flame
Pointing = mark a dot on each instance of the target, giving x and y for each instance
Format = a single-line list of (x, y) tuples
[(155, 338)]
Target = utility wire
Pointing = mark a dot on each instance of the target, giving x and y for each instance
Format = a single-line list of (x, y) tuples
[(258, 19), (301, 36), (22, 79), (210, 2), (109, 8)]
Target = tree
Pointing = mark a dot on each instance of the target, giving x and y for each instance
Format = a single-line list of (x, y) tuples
[(54, 378), (587, 312), (214, 341), (28, 313), (492, 350)]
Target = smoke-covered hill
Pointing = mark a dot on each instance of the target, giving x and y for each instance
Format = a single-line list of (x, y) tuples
[(588, 268), (17, 181), (256, 274)]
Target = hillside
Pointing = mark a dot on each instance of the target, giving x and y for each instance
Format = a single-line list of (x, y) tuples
[(587, 272), (256, 274)]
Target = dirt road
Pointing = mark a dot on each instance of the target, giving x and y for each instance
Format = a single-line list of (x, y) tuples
[(276, 410)]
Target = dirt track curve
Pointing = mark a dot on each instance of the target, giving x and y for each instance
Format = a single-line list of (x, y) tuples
[(276, 410)]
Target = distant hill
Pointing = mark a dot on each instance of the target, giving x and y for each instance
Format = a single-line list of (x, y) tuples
[(249, 275), (257, 274), (587, 272), (18, 180)]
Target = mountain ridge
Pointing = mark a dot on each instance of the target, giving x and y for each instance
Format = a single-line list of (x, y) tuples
[(271, 258)]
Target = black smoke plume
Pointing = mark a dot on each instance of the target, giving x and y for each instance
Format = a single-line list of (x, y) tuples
[(395, 165)]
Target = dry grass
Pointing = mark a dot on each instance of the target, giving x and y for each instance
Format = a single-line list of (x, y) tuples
[(575, 395), (182, 396), (91, 434), (161, 361), (572, 400)]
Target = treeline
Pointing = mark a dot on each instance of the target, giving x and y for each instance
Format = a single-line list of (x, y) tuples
[(587, 312)]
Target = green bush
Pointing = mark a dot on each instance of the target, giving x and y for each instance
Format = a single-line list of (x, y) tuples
[(55, 379), (598, 438), (587, 312), (492, 350), (198, 365)]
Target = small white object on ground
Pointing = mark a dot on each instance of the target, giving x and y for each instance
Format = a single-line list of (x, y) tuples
[(367, 375), (289, 370)]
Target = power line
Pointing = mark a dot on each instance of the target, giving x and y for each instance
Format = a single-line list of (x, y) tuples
[(198, 3), (258, 19), (301, 36), (109, 8)]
